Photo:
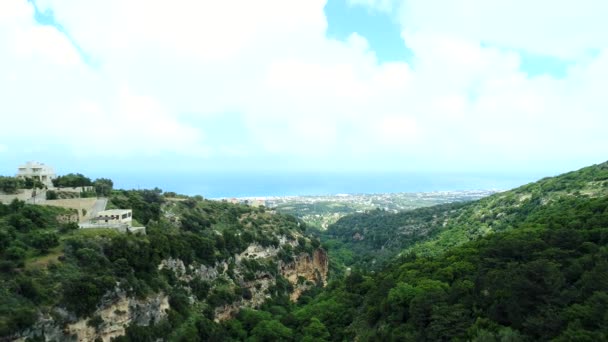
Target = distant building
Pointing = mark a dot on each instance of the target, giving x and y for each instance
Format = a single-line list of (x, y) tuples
[(115, 216), (39, 171), (119, 219)]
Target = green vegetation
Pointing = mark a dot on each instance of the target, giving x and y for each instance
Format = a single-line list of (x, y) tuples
[(530, 264), (146, 204), (103, 187), (26, 233), (545, 279), (321, 211), (72, 180), (46, 264), (32, 183), (369, 239), (10, 185)]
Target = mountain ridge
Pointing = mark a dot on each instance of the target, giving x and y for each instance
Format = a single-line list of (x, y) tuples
[(426, 231)]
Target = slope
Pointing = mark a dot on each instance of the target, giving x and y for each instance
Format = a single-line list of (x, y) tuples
[(365, 239), (545, 278), (200, 260)]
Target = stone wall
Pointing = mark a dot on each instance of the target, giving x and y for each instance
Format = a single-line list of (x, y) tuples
[(23, 195)]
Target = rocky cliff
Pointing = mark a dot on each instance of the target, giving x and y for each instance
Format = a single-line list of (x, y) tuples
[(302, 272), (200, 261), (116, 312), (305, 271)]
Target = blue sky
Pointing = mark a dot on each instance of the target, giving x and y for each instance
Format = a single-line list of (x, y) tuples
[(303, 85)]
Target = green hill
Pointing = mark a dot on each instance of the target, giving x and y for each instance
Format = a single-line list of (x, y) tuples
[(364, 239), (545, 279), (200, 260), (541, 274), (530, 264)]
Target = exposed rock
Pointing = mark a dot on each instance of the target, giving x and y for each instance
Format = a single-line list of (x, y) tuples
[(310, 270), (256, 251), (304, 272), (116, 312), (259, 293), (358, 237)]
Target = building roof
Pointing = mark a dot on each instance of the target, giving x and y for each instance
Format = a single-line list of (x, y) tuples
[(113, 212), (30, 164)]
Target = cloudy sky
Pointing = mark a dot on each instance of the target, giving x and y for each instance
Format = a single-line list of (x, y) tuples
[(314, 85)]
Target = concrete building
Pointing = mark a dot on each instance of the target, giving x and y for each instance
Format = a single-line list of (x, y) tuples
[(119, 219), (39, 171), (115, 216)]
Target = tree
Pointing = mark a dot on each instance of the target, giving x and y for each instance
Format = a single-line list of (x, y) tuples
[(103, 187), (72, 180), (315, 331), (399, 298), (15, 254), (51, 195), (10, 185), (33, 183), (82, 295), (271, 330), (43, 240)]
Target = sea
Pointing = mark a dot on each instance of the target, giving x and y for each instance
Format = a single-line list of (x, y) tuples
[(268, 184)]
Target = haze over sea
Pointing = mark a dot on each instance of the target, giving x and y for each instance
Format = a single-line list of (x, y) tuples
[(220, 185)]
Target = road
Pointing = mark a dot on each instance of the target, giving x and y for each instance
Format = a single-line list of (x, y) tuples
[(100, 205)]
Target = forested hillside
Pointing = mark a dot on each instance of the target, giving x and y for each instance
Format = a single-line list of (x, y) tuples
[(546, 278), (529, 264), (200, 260), (371, 238)]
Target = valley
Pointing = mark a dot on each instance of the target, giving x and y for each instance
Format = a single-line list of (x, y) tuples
[(524, 264)]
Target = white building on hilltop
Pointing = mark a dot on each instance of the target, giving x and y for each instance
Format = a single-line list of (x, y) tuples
[(36, 170)]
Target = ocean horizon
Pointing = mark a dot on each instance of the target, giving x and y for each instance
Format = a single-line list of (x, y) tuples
[(237, 185)]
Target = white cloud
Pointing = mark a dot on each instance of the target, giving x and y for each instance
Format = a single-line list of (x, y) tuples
[(301, 95), (135, 124), (52, 96), (564, 29), (381, 5)]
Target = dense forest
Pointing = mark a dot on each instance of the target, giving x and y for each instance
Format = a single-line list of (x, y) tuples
[(369, 239), (47, 264), (545, 279), (530, 264)]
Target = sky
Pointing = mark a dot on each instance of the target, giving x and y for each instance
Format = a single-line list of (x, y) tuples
[(280, 86)]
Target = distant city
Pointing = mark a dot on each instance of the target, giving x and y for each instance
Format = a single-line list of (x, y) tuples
[(323, 210)]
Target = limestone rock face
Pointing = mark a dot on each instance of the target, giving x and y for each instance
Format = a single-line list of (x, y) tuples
[(306, 271), (117, 311), (303, 272)]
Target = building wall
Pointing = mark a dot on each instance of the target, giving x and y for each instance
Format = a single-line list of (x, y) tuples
[(75, 203), (77, 189), (112, 216), (25, 195), (121, 227)]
